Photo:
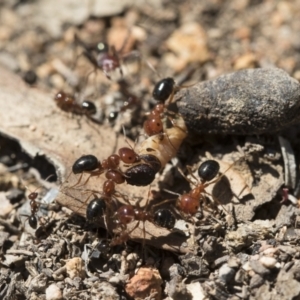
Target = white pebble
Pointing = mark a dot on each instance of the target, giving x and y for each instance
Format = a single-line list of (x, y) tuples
[(268, 262), (53, 292)]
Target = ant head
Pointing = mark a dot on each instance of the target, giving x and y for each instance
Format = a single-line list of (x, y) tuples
[(208, 170), (32, 220), (127, 155), (124, 215)]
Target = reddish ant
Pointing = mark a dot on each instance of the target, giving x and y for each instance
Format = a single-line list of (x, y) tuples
[(127, 214), (189, 203), (34, 206), (67, 103)]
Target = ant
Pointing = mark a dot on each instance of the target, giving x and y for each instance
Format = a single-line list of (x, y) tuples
[(131, 101), (91, 165), (189, 203), (67, 103), (103, 56), (34, 206), (127, 214)]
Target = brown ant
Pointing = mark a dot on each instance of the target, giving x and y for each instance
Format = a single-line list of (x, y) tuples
[(91, 165), (127, 214), (67, 103), (34, 206)]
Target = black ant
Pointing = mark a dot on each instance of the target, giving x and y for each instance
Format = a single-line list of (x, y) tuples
[(68, 103)]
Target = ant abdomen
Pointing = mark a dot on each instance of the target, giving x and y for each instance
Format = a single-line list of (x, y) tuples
[(96, 210), (208, 170), (88, 108), (86, 163), (32, 220), (143, 174), (164, 218), (163, 89)]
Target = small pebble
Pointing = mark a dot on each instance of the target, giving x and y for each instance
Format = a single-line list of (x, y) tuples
[(147, 282), (256, 281), (258, 268), (268, 262), (226, 273), (30, 77), (53, 292), (75, 267), (14, 195)]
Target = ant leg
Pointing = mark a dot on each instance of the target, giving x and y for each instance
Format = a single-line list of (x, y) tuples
[(86, 200), (78, 181), (92, 174), (125, 138), (187, 179)]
